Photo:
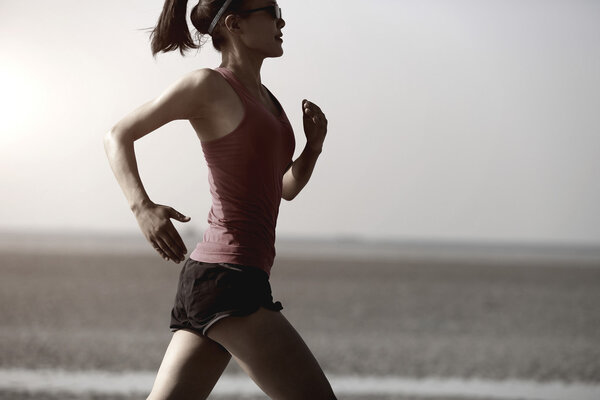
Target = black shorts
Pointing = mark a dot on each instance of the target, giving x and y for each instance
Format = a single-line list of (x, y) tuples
[(208, 292)]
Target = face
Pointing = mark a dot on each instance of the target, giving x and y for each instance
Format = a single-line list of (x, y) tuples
[(260, 29)]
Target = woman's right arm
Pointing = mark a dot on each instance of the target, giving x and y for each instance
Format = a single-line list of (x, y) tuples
[(186, 99)]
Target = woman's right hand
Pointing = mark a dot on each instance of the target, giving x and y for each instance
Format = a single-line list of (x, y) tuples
[(156, 225)]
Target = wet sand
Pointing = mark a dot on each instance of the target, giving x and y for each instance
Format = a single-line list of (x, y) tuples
[(413, 318)]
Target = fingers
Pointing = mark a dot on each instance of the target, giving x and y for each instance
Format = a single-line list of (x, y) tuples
[(167, 241), (161, 233), (159, 250), (168, 249), (313, 111), (170, 246), (177, 244), (177, 215), (310, 106), (320, 119)]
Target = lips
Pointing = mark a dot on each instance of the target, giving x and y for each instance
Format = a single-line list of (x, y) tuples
[(278, 37)]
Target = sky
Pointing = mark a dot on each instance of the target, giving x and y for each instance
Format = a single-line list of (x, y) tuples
[(448, 120)]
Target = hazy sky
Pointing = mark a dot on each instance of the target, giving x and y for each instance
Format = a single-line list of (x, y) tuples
[(459, 120)]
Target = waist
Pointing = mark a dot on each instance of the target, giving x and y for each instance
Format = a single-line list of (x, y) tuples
[(248, 269), (257, 255)]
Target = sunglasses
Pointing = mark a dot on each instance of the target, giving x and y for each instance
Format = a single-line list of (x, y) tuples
[(274, 10)]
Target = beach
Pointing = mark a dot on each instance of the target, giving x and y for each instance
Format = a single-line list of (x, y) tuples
[(415, 318)]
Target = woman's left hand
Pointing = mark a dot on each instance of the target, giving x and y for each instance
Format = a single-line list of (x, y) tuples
[(315, 125)]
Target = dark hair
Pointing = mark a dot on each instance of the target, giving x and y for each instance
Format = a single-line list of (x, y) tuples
[(171, 31)]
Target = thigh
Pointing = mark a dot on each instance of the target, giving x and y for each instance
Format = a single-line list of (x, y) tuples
[(190, 368), (274, 355)]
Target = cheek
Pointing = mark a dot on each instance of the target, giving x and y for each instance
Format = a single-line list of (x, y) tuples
[(254, 35), (257, 39), (261, 31)]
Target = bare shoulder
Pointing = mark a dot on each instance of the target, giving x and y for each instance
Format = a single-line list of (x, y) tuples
[(206, 91), (203, 78), (189, 97), (192, 93), (222, 108), (209, 84)]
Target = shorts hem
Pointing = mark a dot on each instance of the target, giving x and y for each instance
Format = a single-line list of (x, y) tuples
[(203, 328), (209, 292)]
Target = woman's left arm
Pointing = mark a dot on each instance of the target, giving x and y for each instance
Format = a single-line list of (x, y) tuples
[(315, 129)]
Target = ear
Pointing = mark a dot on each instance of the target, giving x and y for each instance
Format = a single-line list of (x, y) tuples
[(232, 23)]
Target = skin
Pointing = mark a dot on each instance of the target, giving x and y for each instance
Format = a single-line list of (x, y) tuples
[(264, 343), (213, 109)]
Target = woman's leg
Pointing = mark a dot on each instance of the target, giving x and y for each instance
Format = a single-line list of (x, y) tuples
[(274, 355), (190, 368)]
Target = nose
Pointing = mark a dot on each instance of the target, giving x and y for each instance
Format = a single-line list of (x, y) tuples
[(280, 23)]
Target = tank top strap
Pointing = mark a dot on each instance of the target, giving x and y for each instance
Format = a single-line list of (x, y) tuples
[(235, 84)]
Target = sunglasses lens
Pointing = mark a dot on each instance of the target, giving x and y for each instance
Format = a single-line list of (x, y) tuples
[(277, 10)]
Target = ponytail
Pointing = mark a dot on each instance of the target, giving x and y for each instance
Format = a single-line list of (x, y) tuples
[(171, 31)]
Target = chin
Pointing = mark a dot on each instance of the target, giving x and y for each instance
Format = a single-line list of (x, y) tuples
[(276, 54), (279, 51)]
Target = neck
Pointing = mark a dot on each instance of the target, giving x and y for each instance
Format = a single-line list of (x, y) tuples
[(246, 68)]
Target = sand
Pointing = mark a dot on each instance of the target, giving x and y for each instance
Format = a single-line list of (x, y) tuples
[(411, 318)]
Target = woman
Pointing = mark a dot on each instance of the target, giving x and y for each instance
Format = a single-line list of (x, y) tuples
[(223, 306)]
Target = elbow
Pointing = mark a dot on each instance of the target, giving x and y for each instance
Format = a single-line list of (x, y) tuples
[(109, 140), (112, 140), (113, 137), (290, 187), (288, 196)]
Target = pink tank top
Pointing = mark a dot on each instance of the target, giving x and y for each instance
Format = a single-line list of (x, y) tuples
[(245, 172)]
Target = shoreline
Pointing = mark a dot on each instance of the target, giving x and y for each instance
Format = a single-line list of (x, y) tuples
[(321, 248)]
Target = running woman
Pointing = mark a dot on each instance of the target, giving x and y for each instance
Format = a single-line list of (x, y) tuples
[(223, 306)]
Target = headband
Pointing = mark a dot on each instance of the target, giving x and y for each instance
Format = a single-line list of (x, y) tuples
[(218, 16)]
